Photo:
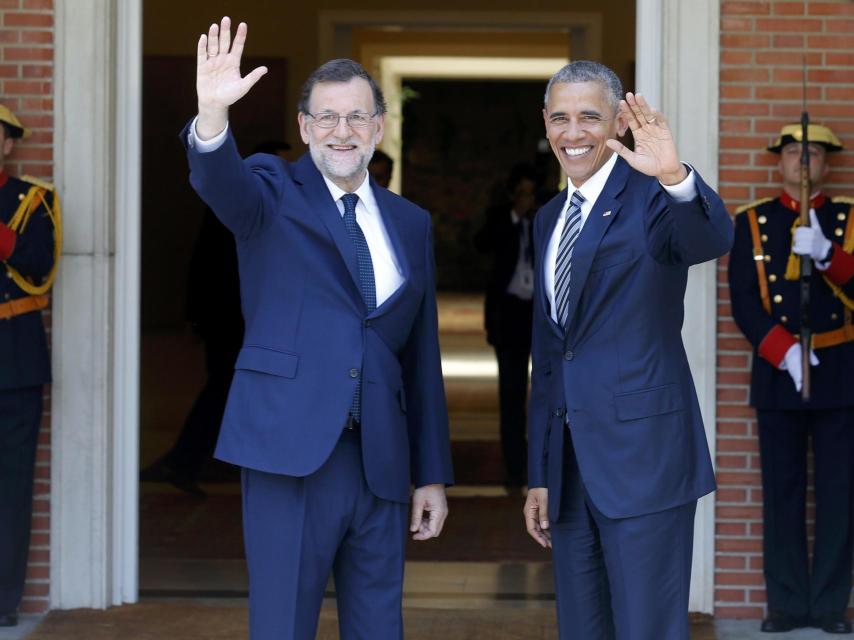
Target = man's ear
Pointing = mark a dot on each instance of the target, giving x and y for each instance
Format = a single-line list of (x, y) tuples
[(303, 127), (8, 145), (378, 136), (622, 123)]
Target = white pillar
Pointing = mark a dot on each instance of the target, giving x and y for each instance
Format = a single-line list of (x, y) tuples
[(677, 68), (95, 312)]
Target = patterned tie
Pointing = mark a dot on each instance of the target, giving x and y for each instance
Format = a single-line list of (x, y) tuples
[(367, 283), (563, 264)]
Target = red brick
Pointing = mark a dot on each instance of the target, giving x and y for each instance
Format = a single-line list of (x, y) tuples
[(735, 91), (730, 495), (732, 577), (731, 462), (829, 42), (799, 25), (795, 42), (33, 605), (736, 57), (38, 4), (734, 394), (739, 613), (36, 37), (793, 58), (790, 92), (9, 36), (841, 59), (28, 20), (730, 595), (732, 429), (27, 54), (744, 175), (730, 562), (756, 74), (730, 529), (738, 512), (739, 478), (730, 24), (729, 411), (830, 8), (36, 589), (740, 446), (733, 193), (38, 573), (732, 7), (788, 8), (10, 4), (757, 596), (741, 41)]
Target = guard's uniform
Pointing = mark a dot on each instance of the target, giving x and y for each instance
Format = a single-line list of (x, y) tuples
[(29, 227), (766, 307)]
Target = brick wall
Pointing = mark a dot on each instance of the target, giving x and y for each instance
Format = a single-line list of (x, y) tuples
[(26, 87), (762, 45)]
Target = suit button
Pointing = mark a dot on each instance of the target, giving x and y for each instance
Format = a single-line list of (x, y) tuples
[(354, 373), (778, 298), (569, 355)]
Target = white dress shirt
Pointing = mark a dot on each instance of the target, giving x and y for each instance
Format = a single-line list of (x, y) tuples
[(522, 283), (682, 192), (387, 272)]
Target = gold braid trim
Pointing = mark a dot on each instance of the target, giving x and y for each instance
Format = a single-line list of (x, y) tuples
[(35, 197), (848, 247)]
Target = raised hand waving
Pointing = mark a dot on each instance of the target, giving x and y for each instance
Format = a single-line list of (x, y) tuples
[(218, 81), (655, 151)]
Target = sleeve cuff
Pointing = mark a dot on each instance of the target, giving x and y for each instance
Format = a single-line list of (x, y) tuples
[(7, 241), (775, 344), (841, 267), (684, 191), (205, 146)]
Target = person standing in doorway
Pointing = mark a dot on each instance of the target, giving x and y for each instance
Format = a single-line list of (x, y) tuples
[(337, 403), (508, 236), (617, 454)]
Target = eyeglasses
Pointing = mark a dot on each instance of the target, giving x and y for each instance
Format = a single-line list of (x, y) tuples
[(329, 120)]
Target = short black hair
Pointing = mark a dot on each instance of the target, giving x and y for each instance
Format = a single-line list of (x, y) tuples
[(340, 70), (519, 172), (382, 156)]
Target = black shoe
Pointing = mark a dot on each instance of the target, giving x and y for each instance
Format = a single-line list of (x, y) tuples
[(833, 623), (161, 471), (780, 623), (9, 620)]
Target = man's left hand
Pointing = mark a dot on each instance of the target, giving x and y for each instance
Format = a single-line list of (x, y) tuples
[(655, 151), (429, 510), (810, 241)]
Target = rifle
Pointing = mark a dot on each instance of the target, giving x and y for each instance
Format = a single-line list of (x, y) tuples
[(806, 261)]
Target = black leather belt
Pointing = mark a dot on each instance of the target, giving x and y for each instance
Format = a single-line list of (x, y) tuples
[(351, 424)]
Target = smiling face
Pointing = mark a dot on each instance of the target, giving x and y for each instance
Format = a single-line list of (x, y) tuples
[(342, 154), (579, 119)]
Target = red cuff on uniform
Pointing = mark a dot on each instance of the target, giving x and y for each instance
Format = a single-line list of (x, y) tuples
[(841, 267), (7, 241), (775, 345)]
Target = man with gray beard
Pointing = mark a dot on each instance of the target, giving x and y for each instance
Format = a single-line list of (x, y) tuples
[(337, 404)]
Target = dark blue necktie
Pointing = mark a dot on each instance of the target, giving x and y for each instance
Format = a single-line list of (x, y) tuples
[(563, 263), (367, 282)]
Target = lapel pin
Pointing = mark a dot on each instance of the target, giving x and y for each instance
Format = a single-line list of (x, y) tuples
[(606, 214)]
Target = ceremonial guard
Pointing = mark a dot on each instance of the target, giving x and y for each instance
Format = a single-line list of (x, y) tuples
[(765, 283), (30, 242)]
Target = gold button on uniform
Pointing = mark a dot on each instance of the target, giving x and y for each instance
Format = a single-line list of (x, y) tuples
[(784, 319), (20, 196), (762, 219), (840, 216), (838, 232), (778, 298), (772, 277), (767, 258), (833, 316), (764, 238)]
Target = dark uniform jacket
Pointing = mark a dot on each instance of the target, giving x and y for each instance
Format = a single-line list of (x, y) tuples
[(772, 333), (24, 359)]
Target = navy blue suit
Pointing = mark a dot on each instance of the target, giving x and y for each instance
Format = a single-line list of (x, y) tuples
[(308, 340), (615, 430), (24, 369)]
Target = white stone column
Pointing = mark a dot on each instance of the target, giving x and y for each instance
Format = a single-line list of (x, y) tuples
[(95, 312), (677, 68)]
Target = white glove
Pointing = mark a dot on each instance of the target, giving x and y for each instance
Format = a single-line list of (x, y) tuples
[(792, 363), (810, 241)]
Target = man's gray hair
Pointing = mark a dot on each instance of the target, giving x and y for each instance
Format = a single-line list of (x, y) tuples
[(589, 71), (340, 70)]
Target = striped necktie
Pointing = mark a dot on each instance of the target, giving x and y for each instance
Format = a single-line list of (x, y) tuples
[(367, 282), (563, 264)]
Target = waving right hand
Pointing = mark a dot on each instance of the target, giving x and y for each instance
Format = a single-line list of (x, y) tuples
[(218, 81)]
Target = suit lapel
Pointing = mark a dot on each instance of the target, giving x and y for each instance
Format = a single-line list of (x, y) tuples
[(320, 200), (594, 228), (550, 215), (394, 223)]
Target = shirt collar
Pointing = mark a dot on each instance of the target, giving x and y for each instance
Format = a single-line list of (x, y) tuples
[(595, 183), (365, 193), (816, 200)]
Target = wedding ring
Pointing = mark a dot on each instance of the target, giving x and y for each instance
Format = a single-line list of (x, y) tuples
[(650, 121)]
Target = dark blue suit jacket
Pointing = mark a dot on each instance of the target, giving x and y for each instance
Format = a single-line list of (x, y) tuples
[(308, 334), (620, 373)]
